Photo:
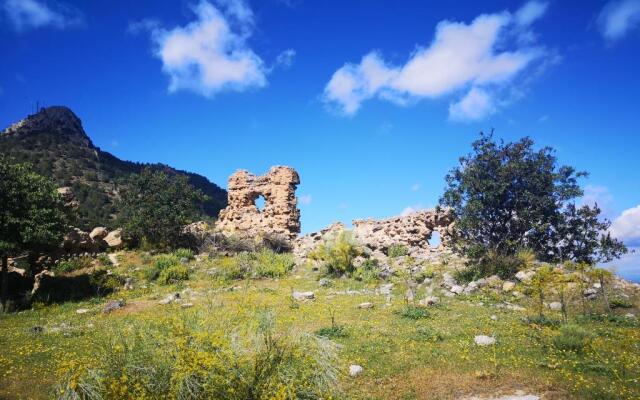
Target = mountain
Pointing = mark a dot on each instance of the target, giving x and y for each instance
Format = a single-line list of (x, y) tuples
[(55, 143)]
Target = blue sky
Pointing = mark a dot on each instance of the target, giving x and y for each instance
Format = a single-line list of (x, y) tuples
[(372, 102)]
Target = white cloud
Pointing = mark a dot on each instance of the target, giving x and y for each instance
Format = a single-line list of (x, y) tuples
[(461, 57), (475, 105), (415, 187), (32, 14), (617, 18), (627, 226), (210, 54), (305, 199)]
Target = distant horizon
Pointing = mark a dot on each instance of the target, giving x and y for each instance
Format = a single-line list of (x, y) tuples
[(371, 118)]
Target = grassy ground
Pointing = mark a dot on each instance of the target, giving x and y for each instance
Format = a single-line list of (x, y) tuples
[(403, 358)]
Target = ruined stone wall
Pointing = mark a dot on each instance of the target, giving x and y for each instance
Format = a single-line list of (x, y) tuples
[(280, 215), (413, 231)]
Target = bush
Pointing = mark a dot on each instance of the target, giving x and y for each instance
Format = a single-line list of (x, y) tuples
[(572, 338), (269, 264), (337, 255), (427, 273), (165, 261), (188, 359), (492, 264), (183, 253), (369, 271), (426, 334), (72, 264), (413, 312), (263, 264), (333, 332), (397, 250), (618, 302), (173, 274)]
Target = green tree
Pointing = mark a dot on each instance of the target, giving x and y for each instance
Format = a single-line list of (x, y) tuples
[(509, 196), (33, 217), (156, 206)]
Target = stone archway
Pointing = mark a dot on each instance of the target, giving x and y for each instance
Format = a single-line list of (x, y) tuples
[(279, 216)]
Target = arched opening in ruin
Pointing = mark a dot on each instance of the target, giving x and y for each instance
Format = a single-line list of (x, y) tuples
[(260, 202), (435, 240)]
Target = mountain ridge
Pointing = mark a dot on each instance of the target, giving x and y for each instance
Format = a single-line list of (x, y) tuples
[(54, 141)]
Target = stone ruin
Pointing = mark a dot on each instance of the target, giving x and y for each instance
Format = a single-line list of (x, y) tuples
[(413, 231), (280, 215)]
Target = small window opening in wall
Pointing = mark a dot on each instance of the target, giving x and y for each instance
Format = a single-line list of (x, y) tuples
[(434, 242), (260, 203)]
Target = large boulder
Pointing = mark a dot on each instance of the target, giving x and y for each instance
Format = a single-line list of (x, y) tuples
[(114, 239), (98, 233)]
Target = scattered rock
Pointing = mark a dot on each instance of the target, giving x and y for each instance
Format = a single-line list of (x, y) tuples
[(386, 288), (324, 282), (303, 295), (457, 289), (128, 284), (365, 305), (555, 306), (114, 239), (630, 316), (355, 370), (508, 286), (525, 276), (82, 310), (483, 340), (186, 305), (429, 301), (494, 317), (98, 233), (113, 305), (169, 299)]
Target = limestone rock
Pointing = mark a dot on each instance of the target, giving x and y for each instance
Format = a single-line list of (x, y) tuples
[(429, 301), (113, 305), (365, 305), (508, 286), (303, 295), (98, 233), (114, 239), (483, 340), (555, 306), (355, 370)]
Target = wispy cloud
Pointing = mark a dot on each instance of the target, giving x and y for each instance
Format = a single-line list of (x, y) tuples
[(600, 195), (32, 14), (415, 187), (617, 18), (462, 57), (210, 54), (285, 59)]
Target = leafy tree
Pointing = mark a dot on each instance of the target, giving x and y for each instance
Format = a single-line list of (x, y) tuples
[(509, 196), (32, 217), (156, 206)]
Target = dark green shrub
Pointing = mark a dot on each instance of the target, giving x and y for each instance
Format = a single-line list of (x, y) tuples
[(413, 312), (618, 302), (491, 264), (183, 253), (397, 250), (173, 274), (333, 332), (572, 338), (72, 264), (369, 271)]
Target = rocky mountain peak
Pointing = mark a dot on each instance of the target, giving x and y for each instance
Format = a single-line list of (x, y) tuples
[(48, 119)]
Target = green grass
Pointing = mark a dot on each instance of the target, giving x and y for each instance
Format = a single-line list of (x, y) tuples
[(402, 357)]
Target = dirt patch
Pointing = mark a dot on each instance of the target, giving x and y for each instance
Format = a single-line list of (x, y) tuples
[(433, 384)]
